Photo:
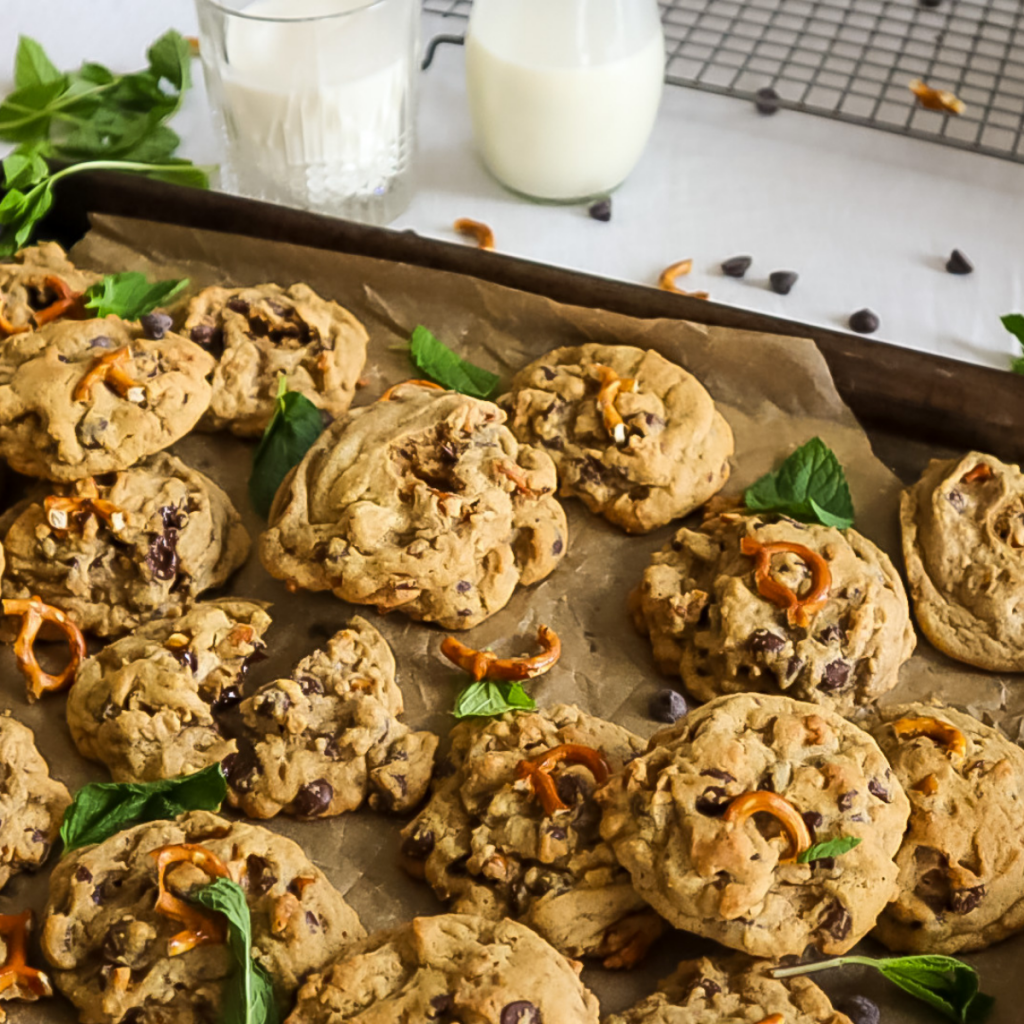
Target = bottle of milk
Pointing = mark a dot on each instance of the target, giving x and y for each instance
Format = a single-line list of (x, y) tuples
[(563, 93)]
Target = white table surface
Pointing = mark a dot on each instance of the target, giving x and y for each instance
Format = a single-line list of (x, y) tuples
[(865, 218)]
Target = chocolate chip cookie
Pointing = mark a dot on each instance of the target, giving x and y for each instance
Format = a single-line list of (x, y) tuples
[(768, 605), (34, 284), (144, 705), (710, 823), (489, 844), (961, 865), (963, 531), (79, 398), (110, 946), (633, 435), (32, 805), (259, 333), (328, 738), (449, 967), (119, 551), (734, 989), (422, 502)]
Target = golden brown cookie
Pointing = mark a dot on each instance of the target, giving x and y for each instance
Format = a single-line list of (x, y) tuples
[(37, 278)]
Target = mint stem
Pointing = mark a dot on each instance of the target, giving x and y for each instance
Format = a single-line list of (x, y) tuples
[(822, 965)]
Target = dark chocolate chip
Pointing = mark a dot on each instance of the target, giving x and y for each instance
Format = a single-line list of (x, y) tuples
[(101, 341), (557, 833), (846, 800), (864, 321), (601, 210), (237, 305), (766, 100), (441, 1003), (463, 585), (736, 266), (155, 325), (963, 901), (710, 986), (162, 558), (202, 334), (813, 820), (793, 666), (312, 921), (185, 658), (310, 685), (765, 640), (313, 798), (549, 374), (860, 1010), (83, 874), (457, 868), (717, 773), (836, 921), (556, 548), (875, 788), (667, 706), (713, 801), (261, 878), (172, 517), (832, 632), (782, 281), (419, 845), (958, 263), (957, 500), (835, 676), (239, 770), (521, 1012)]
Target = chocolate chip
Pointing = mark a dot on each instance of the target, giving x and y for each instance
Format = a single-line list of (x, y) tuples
[(83, 874), (556, 548), (98, 896), (717, 773), (419, 845), (237, 305), (831, 633), (133, 1016), (864, 321), (782, 281), (765, 640), (835, 676), (463, 585), (836, 921), (261, 878), (155, 325), (667, 706), (549, 374), (312, 921), (313, 798), (958, 263), (653, 421), (824, 864), (101, 341), (457, 868), (601, 210), (713, 801), (845, 800), (310, 686), (556, 444), (963, 901), (172, 517), (239, 770), (710, 986), (441, 1003), (957, 500), (521, 1012), (736, 266), (272, 702), (202, 333), (793, 666), (813, 820), (557, 833), (766, 100), (860, 1009), (875, 788), (162, 558)]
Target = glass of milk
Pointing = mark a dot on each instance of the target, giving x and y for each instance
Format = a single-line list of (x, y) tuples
[(316, 100), (563, 93)]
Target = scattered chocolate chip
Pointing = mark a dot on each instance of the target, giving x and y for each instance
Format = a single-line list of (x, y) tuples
[(860, 1009), (836, 921), (782, 281), (736, 266), (261, 878), (556, 548), (155, 325), (713, 801), (958, 263), (963, 901), (549, 374), (813, 820), (835, 676), (521, 1012), (601, 210), (667, 706), (875, 788), (864, 321), (239, 770), (765, 640), (313, 798), (83, 874), (766, 100), (846, 800)]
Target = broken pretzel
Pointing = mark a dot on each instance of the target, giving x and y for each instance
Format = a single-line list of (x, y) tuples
[(34, 613), (982, 471), (766, 802), (111, 369), (936, 99), (387, 396), (798, 609), (612, 385), (487, 665), (65, 301), (200, 928), (667, 279), (27, 982), (483, 235), (945, 735), (537, 771), (63, 512)]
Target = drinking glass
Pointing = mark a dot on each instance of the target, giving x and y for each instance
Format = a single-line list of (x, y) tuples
[(315, 100), (563, 93)]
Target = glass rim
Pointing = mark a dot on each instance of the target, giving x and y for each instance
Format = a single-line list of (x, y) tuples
[(285, 20)]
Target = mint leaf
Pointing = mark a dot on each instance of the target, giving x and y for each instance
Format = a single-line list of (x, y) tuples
[(829, 848), (19, 214), (25, 114), (101, 809), (24, 167), (249, 993), (487, 698), (810, 486), (129, 295), (291, 432), (1017, 365), (438, 362), (32, 66), (1014, 323), (170, 58)]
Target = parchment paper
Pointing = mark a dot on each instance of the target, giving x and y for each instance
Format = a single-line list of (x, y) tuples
[(776, 393)]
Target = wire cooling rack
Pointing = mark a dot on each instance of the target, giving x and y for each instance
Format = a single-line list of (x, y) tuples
[(851, 60)]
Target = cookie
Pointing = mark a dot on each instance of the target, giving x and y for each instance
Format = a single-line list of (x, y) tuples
[(32, 805), (734, 990), (82, 397), (487, 846), (961, 865), (259, 333), (36, 279), (117, 552), (109, 945), (144, 705), (710, 820), (422, 502), (449, 967), (719, 618), (328, 738), (963, 530), (633, 435)]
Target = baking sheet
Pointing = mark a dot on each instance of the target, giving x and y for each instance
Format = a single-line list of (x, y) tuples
[(776, 393)]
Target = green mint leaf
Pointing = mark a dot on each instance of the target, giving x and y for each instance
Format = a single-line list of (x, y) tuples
[(291, 432), (438, 362), (1014, 323), (829, 848), (19, 214), (130, 295), (810, 486), (170, 58), (24, 167), (249, 992), (1017, 365), (25, 114), (488, 698), (92, 74), (32, 66), (101, 809), (948, 984)]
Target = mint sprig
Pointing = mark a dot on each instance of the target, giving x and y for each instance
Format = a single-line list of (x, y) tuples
[(439, 363), (487, 698), (828, 849), (129, 295), (1014, 323)]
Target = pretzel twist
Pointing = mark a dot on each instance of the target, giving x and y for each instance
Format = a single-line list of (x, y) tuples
[(200, 928), (487, 665), (28, 983), (476, 230), (537, 771), (765, 802), (942, 733), (798, 609), (34, 613), (111, 369), (389, 394)]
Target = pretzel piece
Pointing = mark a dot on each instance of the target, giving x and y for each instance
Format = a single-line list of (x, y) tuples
[(612, 385), (667, 279), (477, 230), (982, 471), (518, 477), (389, 394), (6, 327), (63, 304), (27, 982), (765, 802), (798, 609), (537, 770), (775, 1018), (111, 369), (936, 99), (942, 733), (200, 928), (34, 613), (487, 665), (62, 512)]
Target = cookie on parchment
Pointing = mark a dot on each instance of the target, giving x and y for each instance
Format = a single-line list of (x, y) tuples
[(34, 280), (961, 880), (633, 435), (144, 705), (733, 990), (765, 604), (963, 533), (83, 397), (710, 820), (424, 503), (109, 946), (449, 967), (115, 553), (488, 844), (328, 738), (261, 332)]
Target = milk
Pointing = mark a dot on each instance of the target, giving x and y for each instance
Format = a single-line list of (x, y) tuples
[(562, 107)]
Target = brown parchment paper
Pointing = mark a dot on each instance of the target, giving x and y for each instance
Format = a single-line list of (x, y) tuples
[(776, 393)]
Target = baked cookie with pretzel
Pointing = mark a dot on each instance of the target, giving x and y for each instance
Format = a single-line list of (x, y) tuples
[(718, 825), (423, 502), (145, 704), (126, 944), (328, 738), (452, 967), (632, 434), (756, 603), (119, 551), (961, 865), (963, 533), (513, 832), (260, 333), (734, 988), (39, 285), (79, 398)]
